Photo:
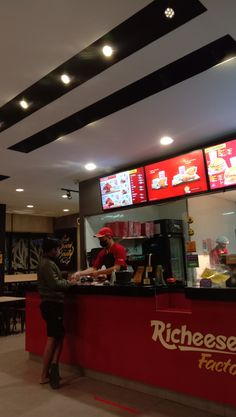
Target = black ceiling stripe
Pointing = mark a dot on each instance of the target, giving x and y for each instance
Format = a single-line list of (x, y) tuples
[(3, 177), (139, 30), (180, 70)]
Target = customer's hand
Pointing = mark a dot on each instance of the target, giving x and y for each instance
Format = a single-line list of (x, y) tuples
[(75, 276)]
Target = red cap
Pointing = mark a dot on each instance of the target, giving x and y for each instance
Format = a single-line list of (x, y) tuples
[(104, 231)]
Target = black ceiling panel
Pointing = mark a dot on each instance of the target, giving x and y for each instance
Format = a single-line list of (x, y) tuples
[(146, 26), (3, 177), (172, 74)]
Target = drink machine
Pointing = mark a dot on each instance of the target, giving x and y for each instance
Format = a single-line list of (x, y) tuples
[(167, 247)]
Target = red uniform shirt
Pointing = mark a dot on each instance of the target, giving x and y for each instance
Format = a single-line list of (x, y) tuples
[(118, 252), (215, 255)]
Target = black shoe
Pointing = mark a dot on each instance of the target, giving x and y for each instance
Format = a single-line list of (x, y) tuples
[(54, 378)]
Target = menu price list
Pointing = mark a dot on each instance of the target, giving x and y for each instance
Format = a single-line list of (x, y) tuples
[(138, 187), (123, 189), (221, 164)]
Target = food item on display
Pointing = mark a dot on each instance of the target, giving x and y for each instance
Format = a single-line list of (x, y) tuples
[(218, 165), (230, 175), (109, 202), (159, 183), (162, 182), (107, 188), (190, 174)]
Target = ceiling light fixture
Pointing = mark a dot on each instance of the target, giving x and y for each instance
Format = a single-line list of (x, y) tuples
[(68, 193), (30, 206), (90, 166), (69, 196), (66, 210), (65, 79), (19, 190), (24, 104), (169, 13), (107, 50), (166, 140)]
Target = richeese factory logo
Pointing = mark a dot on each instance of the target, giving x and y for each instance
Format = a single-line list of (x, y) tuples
[(184, 339)]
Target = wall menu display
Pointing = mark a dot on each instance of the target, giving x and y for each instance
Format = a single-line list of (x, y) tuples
[(184, 174), (221, 164), (123, 189)]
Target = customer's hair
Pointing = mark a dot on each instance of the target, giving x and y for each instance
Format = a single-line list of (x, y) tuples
[(49, 244)]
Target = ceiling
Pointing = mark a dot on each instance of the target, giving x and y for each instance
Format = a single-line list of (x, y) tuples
[(117, 112)]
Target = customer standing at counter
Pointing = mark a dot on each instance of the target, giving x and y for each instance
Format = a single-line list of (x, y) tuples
[(51, 287), (112, 256), (219, 250)]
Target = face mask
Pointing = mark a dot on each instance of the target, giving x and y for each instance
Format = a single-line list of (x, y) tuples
[(103, 243)]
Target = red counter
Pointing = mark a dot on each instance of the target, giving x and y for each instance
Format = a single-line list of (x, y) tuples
[(186, 346)]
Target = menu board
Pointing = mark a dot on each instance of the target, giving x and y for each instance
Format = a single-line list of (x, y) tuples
[(123, 189), (184, 174), (221, 164)]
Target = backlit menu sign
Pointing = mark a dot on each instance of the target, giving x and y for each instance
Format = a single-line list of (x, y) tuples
[(221, 164), (123, 189), (184, 174)]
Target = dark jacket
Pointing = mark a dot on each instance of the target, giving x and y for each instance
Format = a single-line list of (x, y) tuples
[(51, 284)]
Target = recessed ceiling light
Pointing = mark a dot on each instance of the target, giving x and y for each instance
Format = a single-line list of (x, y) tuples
[(19, 190), (166, 140), (66, 210), (107, 50), (24, 104), (90, 166), (65, 79), (169, 13), (30, 206), (64, 195)]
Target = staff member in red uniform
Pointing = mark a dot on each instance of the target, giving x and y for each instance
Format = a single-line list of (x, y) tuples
[(219, 250), (112, 256)]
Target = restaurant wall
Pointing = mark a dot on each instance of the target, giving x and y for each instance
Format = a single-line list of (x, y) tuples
[(30, 224)]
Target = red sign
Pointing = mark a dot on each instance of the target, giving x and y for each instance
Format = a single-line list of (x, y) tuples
[(177, 176), (221, 164), (123, 189)]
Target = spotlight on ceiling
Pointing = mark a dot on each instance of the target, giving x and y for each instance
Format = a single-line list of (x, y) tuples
[(24, 104), (107, 51), (166, 140), (69, 196), (65, 79), (169, 13), (68, 193)]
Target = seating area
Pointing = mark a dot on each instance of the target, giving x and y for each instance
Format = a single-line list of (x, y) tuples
[(12, 303), (12, 315)]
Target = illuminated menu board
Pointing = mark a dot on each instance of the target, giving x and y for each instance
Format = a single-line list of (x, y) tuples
[(221, 164), (184, 174), (123, 189)]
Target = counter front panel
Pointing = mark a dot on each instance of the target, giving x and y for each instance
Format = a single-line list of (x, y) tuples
[(167, 341)]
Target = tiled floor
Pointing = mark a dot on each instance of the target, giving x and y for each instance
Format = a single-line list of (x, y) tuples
[(21, 395)]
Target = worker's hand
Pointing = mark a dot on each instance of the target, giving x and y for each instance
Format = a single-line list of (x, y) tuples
[(97, 274)]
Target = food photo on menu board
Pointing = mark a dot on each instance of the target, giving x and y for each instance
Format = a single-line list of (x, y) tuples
[(221, 164), (123, 189), (184, 174)]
